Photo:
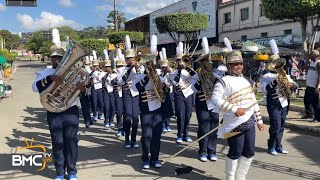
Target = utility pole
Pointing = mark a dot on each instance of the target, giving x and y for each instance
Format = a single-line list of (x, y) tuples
[(115, 15)]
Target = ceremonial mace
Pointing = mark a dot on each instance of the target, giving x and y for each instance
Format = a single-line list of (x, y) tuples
[(188, 169)]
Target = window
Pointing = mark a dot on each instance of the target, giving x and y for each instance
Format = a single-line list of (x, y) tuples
[(287, 31), (227, 17), (243, 37), (244, 14), (264, 34), (261, 10)]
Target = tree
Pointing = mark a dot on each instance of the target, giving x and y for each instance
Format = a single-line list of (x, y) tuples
[(9, 39), (68, 31), (119, 37), (9, 56), (35, 43), (45, 48), (99, 32), (188, 25), (121, 18), (94, 44), (294, 10)]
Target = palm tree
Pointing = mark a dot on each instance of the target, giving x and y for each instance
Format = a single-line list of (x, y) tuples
[(121, 18)]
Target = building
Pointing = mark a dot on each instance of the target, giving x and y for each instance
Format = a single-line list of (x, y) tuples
[(140, 24), (242, 20), (147, 23)]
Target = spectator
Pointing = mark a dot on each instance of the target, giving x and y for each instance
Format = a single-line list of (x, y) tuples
[(302, 63), (311, 97), (294, 72)]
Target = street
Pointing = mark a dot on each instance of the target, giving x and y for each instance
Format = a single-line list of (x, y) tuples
[(102, 155)]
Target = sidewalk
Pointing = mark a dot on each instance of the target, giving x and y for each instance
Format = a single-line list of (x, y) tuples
[(294, 122)]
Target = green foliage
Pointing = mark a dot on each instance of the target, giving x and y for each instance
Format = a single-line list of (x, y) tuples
[(121, 18), (9, 56), (45, 48), (68, 31), (9, 39), (99, 32), (119, 37), (39, 44), (290, 9), (186, 22), (94, 44)]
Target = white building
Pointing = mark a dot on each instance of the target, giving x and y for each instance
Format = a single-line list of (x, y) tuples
[(245, 20)]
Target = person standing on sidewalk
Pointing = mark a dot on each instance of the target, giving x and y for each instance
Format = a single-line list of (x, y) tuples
[(232, 94), (64, 125), (311, 97), (277, 106)]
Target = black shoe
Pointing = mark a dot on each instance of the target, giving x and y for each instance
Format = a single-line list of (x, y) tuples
[(306, 117)]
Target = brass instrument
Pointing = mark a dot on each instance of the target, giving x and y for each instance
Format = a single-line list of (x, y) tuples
[(281, 78), (206, 75), (185, 61), (153, 76), (59, 97), (172, 65)]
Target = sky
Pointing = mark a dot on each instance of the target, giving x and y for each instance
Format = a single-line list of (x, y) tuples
[(77, 14)]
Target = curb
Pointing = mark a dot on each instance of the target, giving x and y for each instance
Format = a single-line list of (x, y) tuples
[(292, 107), (312, 131)]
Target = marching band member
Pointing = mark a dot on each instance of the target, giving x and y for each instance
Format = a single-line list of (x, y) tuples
[(232, 94), (63, 126), (130, 96), (208, 118), (96, 89), (277, 102), (117, 90), (167, 110), (109, 101), (85, 100), (182, 78), (151, 115)]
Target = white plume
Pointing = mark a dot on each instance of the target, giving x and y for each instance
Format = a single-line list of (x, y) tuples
[(274, 46), (180, 47), (154, 43), (122, 57), (94, 53), (164, 53), (106, 55), (227, 43), (119, 53), (177, 49), (91, 58), (128, 42), (56, 37), (87, 58), (161, 56), (205, 45)]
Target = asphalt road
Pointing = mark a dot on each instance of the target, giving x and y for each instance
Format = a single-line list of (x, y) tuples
[(102, 156)]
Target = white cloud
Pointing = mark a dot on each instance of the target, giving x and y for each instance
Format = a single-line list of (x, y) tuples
[(2, 7), (133, 8), (45, 21), (66, 3)]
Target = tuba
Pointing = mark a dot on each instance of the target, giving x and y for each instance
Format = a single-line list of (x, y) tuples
[(206, 75), (153, 76), (281, 78), (59, 97)]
